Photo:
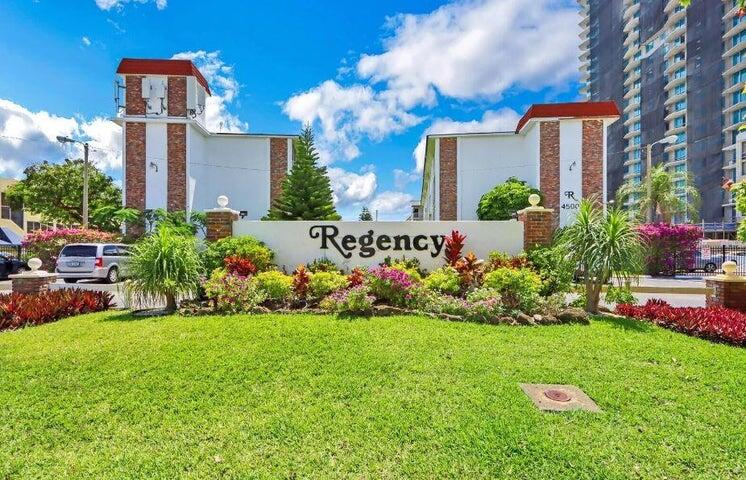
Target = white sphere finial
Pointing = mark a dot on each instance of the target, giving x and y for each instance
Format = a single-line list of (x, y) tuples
[(34, 264), (222, 201), (729, 268), (534, 200)]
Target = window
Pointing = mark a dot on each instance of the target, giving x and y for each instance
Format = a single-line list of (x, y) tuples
[(680, 88), (636, 140), (679, 154), (679, 122), (680, 105), (78, 251), (636, 154), (680, 73), (110, 251)]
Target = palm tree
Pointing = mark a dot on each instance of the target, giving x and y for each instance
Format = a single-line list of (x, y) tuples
[(605, 245), (664, 198)]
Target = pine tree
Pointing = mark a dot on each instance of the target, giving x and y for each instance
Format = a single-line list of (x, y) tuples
[(365, 215), (306, 191)]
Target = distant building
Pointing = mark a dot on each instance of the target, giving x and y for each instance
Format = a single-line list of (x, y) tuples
[(557, 148), (15, 222), (674, 71)]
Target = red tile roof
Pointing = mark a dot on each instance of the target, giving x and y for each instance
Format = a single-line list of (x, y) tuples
[(141, 66), (569, 110)]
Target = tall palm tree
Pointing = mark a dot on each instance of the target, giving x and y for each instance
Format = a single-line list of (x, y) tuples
[(664, 198), (605, 245)]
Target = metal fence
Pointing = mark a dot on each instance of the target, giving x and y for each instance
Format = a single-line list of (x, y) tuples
[(709, 259), (15, 251)]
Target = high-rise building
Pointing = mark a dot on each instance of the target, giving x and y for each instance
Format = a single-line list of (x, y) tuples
[(673, 71)]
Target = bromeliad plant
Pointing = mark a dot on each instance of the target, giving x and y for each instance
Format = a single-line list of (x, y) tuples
[(164, 265), (605, 245)]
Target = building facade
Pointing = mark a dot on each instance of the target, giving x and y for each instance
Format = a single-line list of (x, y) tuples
[(558, 148), (673, 71), (172, 161)]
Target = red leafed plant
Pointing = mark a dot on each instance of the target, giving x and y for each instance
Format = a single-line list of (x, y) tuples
[(301, 279), (240, 266), (470, 270), (713, 323), (356, 277), (454, 246), (18, 310)]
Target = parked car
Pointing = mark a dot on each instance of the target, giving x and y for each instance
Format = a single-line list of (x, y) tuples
[(714, 263), (96, 261), (10, 265)]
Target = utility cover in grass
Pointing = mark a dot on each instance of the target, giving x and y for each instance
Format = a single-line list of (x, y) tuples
[(559, 398)]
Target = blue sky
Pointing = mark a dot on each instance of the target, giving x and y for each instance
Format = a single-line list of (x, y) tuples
[(372, 77)]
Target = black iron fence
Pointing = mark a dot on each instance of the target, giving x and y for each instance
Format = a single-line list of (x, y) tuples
[(15, 251), (709, 259)]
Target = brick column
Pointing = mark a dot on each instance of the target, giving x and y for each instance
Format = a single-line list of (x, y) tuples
[(727, 290), (278, 166), (177, 96), (220, 223), (134, 103), (34, 282), (177, 177), (593, 160), (539, 224), (448, 164), (549, 163)]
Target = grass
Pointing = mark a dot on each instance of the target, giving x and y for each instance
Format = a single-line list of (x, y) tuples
[(108, 396)]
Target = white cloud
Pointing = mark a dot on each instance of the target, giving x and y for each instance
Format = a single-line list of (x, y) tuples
[(471, 49), (502, 120), (465, 50), (225, 89), (28, 137), (402, 178), (391, 203), (119, 4), (346, 114), (86, 41), (351, 188)]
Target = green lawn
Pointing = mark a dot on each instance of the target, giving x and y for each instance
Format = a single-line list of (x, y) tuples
[(107, 396)]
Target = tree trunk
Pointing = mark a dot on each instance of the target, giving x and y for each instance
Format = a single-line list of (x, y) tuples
[(170, 303), (592, 297)]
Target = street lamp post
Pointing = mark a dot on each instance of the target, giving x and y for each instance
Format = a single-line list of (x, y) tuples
[(671, 139), (62, 139)]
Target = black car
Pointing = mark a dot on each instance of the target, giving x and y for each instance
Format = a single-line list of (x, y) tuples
[(10, 265)]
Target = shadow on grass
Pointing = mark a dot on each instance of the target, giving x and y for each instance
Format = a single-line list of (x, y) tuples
[(128, 316), (627, 324)]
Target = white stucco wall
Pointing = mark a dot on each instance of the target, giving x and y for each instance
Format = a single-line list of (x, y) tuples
[(487, 160), (571, 169), (236, 166), (293, 242), (156, 166)]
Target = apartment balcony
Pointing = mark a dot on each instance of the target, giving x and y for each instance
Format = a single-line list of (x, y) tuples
[(631, 24), (673, 49), (585, 55), (675, 16), (734, 49), (675, 98), (631, 37), (734, 68), (632, 119), (673, 82), (630, 10), (733, 31), (673, 115), (676, 130), (671, 6), (631, 79), (734, 107), (631, 133), (632, 63), (675, 66)]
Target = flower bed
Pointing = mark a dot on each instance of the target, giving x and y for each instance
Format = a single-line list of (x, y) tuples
[(712, 323), (503, 289), (18, 310)]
